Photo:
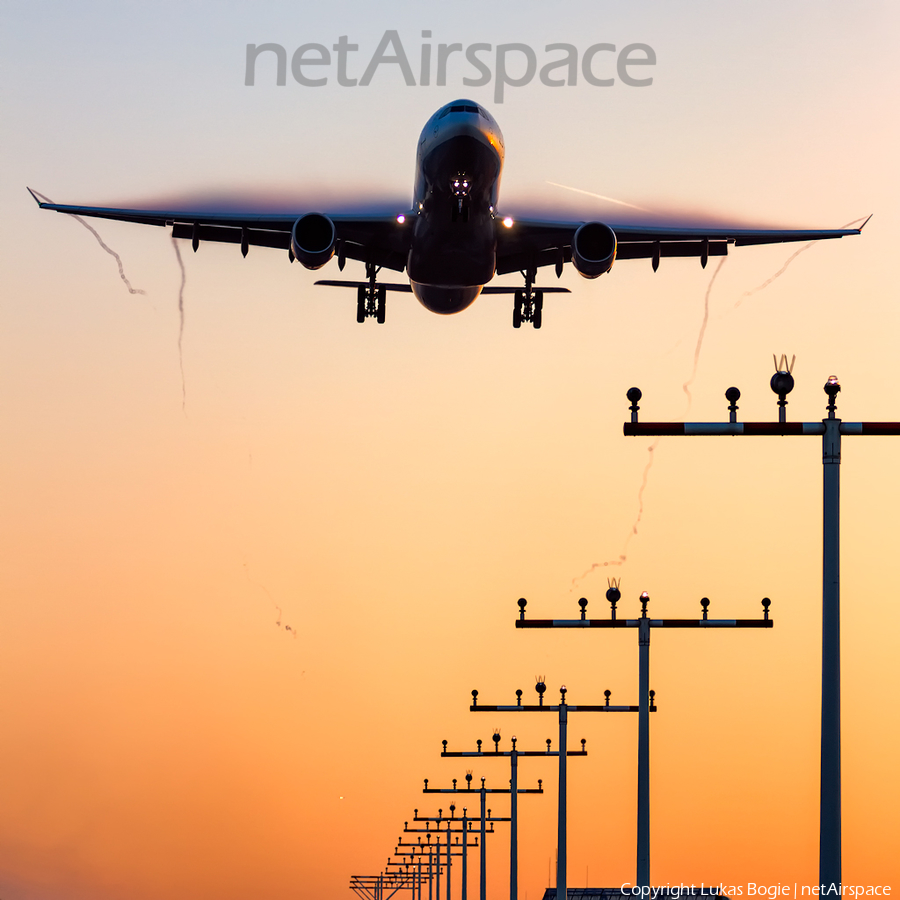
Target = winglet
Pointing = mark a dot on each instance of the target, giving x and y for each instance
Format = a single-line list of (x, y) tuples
[(33, 194), (866, 222)]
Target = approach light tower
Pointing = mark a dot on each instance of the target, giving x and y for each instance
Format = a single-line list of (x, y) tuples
[(645, 699), (563, 709), (416, 852), (455, 827), (382, 886), (513, 756), (831, 429), (483, 792)]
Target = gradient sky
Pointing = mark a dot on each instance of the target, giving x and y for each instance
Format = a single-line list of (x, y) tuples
[(393, 490)]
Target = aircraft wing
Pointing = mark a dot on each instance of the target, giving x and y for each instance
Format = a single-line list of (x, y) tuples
[(530, 243), (382, 240)]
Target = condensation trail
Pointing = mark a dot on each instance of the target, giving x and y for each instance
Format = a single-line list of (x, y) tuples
[(265, 590), (637, 521), (103, 244), (566, 187), (181, 320), (781, 271), (686, 386), (623, 556), (778, 274)]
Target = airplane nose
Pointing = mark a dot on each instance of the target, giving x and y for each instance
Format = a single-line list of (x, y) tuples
[(465, 125)]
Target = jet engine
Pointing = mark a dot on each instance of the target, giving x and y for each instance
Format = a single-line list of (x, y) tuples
[(593, 249), (313, 239)]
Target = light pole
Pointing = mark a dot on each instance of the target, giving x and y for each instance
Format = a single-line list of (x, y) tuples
[(418, 850), (645, 696), (483, 792), (373, 887), (513, 756), (465, 827), (563, 709), (831, 429), (418, 858), (484, 831), (402, 870), (425, 849)]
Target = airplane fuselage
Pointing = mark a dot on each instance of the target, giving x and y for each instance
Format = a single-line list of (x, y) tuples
[(453, 248)]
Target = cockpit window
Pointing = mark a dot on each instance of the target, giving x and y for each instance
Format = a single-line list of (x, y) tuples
[(477, 110)]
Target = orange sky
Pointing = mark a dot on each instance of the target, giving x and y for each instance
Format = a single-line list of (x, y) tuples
[(393, 490)]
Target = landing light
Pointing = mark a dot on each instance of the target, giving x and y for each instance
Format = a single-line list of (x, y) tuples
[(401, 219), (508, 222)]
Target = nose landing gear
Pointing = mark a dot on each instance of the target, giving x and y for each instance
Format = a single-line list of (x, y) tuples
[(460, 186), (460, 209)]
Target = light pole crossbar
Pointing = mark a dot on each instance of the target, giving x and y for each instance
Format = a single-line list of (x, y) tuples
[(635, 623), (783, 429)]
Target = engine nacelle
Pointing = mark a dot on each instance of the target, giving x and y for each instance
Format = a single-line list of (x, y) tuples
[(313, 239), (593, 249)]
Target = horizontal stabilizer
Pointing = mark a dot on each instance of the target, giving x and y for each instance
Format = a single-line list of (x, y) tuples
[(406, 289), (490, 289), (402, 288)]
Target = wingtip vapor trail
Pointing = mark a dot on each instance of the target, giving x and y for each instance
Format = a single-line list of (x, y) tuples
[(39, 197), (181, 320)]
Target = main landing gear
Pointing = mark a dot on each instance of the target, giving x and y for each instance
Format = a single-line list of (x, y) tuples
[(529, 304), (370, 298)]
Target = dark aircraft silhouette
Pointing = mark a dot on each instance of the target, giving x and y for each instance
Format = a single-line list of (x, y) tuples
[(453, 240)]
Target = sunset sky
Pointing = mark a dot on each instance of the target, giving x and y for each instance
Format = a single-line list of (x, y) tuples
[(390, 491)]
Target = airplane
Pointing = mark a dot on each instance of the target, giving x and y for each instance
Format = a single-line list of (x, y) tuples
[(453, 239)]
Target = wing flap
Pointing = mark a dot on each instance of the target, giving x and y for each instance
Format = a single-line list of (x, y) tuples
[(280, 240), (527, 259), (376, 253), (648, 249)]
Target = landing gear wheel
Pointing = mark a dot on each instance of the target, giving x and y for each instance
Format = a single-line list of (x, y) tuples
[(379, 315), (360, 304), (536, 315), (517, 311)]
